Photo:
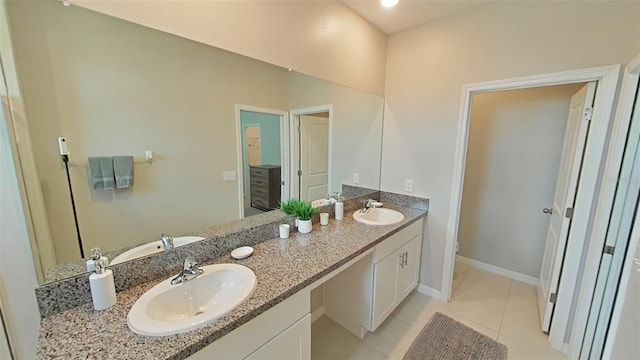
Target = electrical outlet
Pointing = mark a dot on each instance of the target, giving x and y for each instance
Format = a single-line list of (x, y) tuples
[(356, 178), (228, 175), (408, 185)]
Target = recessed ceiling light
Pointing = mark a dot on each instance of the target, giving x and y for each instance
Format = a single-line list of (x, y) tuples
[(388, 3)]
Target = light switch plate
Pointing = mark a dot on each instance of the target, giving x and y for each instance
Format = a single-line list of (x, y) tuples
[(356, 178), (228, 175)]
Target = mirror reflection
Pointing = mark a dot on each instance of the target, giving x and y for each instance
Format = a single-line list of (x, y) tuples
[(228, 136)]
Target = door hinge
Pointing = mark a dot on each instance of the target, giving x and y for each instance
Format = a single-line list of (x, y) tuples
[(588, 113), (553, 297), (569, 213), (608, 249), (299, 128), (299, 172)]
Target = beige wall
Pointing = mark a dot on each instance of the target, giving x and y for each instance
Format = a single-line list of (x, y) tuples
[(152, 91), (320, 38), (356, 130), (513, 154), (427, 66), (17, 274)]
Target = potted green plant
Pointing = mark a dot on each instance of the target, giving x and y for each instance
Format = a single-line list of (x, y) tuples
[(288, 206), (304, 211)]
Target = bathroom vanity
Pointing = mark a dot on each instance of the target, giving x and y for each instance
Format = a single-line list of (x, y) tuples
[(367, 270)]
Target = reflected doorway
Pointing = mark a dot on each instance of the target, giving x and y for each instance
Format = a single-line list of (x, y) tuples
[(311, 158), (262, 159)]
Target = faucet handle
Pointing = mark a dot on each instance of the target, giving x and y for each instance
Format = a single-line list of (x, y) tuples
[(190, 263)]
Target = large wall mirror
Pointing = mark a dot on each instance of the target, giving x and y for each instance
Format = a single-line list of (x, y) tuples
[(210, 117)]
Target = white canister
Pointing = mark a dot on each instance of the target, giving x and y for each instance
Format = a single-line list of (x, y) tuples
[(339, 210), (284, 231), (103, 290), (324, 218), (304, 226)]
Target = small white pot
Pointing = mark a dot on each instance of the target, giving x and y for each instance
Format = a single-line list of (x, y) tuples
[(304, 226)]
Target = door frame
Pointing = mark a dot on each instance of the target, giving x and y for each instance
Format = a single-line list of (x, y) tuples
[(284, 149), (595, 151), (307, 111), (626, 240)]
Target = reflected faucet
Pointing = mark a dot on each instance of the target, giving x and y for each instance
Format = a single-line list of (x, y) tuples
[(190, 271), (167, 241)]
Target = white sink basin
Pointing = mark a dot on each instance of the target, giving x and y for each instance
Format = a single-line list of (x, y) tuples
[(378, 216), (167, 309), (152, 248)]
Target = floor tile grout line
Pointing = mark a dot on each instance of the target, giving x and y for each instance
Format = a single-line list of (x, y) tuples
[(504, 310)]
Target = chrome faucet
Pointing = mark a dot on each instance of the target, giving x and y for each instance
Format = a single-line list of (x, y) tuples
[(190, 271), (368, 205), (167, 241)]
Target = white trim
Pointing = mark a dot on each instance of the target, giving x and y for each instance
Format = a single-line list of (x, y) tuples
[(429, 291), (607, 77), (618, 143), (284, 148), (305, 111), (317, 313), (499, 271)]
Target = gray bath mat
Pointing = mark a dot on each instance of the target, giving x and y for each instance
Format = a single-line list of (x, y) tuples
[(444, 338)]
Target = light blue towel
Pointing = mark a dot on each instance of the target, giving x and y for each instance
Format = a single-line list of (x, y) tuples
[(123, 170), (100, 172)]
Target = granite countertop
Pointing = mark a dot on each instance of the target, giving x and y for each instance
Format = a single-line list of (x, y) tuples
[(282, 267)]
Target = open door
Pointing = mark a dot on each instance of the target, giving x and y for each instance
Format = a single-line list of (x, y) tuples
[(312, 145), (561, 211)]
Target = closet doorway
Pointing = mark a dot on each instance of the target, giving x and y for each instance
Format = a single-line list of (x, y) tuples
[(590, 215), (524, 156)]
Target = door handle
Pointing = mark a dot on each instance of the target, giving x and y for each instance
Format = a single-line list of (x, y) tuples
[(548, 211), (401, 257), (405, 257)]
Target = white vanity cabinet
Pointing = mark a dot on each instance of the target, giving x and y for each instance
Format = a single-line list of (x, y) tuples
[(394, 277), (363, 296), (282, 332)]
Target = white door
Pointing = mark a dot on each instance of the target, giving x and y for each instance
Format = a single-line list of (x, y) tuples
[(313, 145), (566, 187)]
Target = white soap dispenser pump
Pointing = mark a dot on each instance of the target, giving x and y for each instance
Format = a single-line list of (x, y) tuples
[(95, 256), (339, 207), (103, 289)]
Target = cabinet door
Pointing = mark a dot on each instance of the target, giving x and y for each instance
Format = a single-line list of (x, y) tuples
[(409, 268), (384, 288), (293, 343)]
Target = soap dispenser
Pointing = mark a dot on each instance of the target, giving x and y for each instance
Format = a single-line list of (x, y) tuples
[(95, 256), (339, 209), (103, 289)]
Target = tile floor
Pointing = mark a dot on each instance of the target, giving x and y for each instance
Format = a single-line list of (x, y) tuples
[(501, 308)]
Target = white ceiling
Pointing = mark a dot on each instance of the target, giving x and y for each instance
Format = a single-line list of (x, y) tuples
[(408, 13)]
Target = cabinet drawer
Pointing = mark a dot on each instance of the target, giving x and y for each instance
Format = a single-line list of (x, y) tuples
[(259, 172), (259, 181), (257, 191), (260, 201)]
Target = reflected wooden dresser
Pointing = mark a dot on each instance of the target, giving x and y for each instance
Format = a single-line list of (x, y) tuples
[(265, 186)]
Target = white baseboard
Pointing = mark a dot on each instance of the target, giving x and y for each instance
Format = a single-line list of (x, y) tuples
[(316, 314), (429, 291), (499, 271)]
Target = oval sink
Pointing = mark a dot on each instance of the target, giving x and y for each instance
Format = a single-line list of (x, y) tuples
[(152, 248), (167, 309), (378, 216)]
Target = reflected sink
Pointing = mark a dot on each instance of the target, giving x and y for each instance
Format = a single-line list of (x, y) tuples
[(167, 309), (152, 248), (378, 216)]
